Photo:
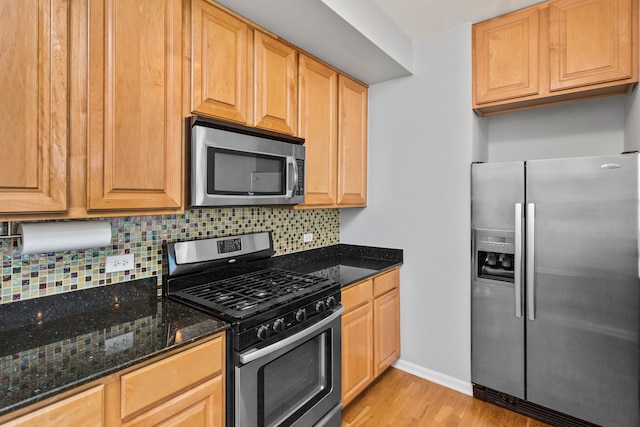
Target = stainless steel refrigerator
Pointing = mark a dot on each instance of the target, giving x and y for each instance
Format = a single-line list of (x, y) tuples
[(555, 289)]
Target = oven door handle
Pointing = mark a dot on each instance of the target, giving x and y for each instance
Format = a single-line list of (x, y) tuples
[(254, 354)]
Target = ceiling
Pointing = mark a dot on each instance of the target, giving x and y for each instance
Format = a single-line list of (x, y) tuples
[(371, 40), (421, 18)]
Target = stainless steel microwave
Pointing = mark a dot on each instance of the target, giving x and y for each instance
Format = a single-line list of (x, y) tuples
[(235, 165)]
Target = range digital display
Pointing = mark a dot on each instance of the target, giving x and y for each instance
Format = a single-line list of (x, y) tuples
[(229, 245)]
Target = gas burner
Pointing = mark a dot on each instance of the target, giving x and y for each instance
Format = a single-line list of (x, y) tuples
[(249, 293)]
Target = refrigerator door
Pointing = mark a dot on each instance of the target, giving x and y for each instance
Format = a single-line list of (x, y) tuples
[(583, 346), (497, 324)]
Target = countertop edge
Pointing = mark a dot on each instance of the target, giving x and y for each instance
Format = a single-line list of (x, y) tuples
[(102, 374), (369, 276)]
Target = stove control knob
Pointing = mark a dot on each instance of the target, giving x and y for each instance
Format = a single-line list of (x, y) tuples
[(278, 325), (331, 302), (320, 306), (263, 332), (301, 315)]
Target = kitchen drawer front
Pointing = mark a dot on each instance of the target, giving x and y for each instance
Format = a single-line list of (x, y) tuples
[(200, 406), (386, 282), (158, 381), (82, 409), (358, 294)]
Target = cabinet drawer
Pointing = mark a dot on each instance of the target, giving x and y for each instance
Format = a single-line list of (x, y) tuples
[(386, 282), (202, 405), (357, 294), (160, 380), (82, 409)]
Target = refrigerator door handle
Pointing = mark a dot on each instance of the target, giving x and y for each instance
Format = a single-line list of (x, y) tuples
[(531, 233), (517, 261)]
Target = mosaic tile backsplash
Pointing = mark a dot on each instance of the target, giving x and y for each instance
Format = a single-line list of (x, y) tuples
[(36, 275)]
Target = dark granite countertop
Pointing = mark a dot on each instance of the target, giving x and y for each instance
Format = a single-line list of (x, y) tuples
[(52, 344), (346, 264)]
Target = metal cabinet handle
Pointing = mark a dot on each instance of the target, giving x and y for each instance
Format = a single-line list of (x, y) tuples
[(531, 235), (517, 261)]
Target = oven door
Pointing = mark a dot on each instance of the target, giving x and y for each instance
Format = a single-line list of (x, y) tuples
[(293, 382)]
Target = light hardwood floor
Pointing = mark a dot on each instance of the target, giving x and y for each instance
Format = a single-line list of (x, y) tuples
[(400, 399)]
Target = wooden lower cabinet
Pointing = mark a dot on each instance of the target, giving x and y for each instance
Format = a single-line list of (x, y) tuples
[(357, 350), (370, 331), (83, 409), (149, 393), (199, 406), (184, 389), (386, 314)]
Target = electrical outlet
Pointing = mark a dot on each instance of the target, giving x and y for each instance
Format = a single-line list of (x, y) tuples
[(119, 263), (308, 237), (119, 343)]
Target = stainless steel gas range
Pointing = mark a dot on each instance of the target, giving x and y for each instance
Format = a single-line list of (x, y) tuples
[(284, 344)]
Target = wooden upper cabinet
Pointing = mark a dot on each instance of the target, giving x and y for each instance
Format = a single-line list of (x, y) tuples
[(352, 142), (333, 121), (34, 48), (318, 125), (135, 147), (506, 53), (275, 103), (221, 64), (590, 42), (555, 52)]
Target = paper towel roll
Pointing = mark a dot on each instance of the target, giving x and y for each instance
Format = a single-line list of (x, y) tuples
[(63, 236)]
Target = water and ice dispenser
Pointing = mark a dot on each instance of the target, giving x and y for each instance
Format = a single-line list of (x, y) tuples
[(493, 257)]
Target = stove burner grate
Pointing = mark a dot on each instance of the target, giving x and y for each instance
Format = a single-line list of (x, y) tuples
[(240, 295)]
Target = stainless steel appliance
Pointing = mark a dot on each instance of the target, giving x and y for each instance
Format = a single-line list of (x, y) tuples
[(555, 290), (284, 359), (235, 165)]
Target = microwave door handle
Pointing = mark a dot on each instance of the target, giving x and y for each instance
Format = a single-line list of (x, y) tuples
[(293, 174)]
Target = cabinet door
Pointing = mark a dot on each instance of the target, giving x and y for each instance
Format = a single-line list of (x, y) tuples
[(506, 56), (135, 147), (201, 406), (33, 108), (221, 68), (352, 143), (386, 315), (83, 409), (357, 351), (276, 85), (590, 41), (318, 107)]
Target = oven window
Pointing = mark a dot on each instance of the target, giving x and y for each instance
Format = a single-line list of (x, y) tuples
[(241, 173), (294, 382)]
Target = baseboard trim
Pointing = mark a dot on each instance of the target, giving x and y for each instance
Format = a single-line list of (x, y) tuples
[(434, 376)]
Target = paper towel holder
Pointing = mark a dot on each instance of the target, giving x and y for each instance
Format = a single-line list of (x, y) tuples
[(9, 235)]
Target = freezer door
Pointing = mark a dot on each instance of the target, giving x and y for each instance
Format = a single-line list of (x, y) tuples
[(497, 332), (582, 344)]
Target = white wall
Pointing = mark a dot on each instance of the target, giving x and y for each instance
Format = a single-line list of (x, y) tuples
[(422, 138), (632, 121), (421, 133), (587, 128)]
